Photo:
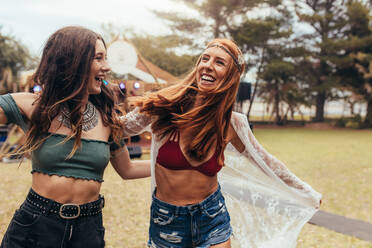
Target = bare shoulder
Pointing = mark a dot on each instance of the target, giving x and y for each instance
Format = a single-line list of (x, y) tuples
[(25, 102)]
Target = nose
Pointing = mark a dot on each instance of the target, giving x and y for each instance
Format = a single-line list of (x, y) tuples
[(106, 67), (207, 64)]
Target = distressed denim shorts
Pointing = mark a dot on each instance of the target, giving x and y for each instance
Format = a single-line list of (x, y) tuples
[(200, 225)]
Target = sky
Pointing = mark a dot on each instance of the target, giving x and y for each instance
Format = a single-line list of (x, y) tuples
[(33, 21)]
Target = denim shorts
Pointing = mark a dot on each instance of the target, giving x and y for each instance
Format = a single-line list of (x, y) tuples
[(200, 225), (35, 226)]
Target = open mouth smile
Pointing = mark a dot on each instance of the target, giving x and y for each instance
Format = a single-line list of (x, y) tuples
[(208, 79), (99, 79)]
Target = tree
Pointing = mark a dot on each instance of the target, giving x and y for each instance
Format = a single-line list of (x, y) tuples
[(327, 19), (354, 56), (283, 85), (278, 76), (216, 18), (12, 53), (260, 38), (13, 58)]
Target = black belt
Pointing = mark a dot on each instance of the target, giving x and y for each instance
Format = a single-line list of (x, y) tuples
[(67, 210)]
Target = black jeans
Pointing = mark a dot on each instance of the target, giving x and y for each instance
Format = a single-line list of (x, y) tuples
[(30, 227)]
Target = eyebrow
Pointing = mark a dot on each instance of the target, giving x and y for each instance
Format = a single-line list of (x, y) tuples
[(99, 53), (235, 60), (218, 57), (221, 58)]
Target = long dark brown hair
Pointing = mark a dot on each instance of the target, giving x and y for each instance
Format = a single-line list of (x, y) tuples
[(63, 74), (208, 123)]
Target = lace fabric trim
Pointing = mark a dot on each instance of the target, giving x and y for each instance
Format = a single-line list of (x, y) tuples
[(272, 166), (135, 122), (268, 204)]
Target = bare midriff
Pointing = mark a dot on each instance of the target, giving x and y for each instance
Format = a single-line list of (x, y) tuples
[(183, 187), (65, 189)]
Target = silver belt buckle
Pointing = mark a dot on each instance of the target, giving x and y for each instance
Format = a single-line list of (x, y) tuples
[(66, 206)]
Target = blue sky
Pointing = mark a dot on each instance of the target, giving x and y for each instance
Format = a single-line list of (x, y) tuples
[(32, 21)]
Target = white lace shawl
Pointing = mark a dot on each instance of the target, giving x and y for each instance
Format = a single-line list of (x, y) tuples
[(268, 204)]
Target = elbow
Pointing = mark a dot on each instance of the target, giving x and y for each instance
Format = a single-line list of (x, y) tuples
[(126, 175), (123, 173)]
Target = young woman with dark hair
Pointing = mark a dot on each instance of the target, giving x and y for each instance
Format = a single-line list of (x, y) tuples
[(196, 133), (73, 131)]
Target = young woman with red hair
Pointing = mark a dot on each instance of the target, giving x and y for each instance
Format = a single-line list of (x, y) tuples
[(196, 133)]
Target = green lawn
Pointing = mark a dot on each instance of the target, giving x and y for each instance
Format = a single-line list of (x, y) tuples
[(337, 163)]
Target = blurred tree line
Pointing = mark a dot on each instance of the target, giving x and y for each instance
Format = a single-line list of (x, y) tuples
[(304, 52), (14, 57)]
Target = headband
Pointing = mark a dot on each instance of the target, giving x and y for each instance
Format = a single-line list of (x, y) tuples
[(238, 62)]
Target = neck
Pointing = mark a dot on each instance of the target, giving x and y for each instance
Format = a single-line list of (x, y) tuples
[(84, 106), (199, 100)]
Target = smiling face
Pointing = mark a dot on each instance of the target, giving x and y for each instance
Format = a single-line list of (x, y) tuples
[(98, 70), (212, 68)]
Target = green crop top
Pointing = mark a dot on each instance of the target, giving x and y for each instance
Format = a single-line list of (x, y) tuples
[(89, 161)]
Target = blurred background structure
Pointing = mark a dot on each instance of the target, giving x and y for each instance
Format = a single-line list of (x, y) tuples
[(307, 61)]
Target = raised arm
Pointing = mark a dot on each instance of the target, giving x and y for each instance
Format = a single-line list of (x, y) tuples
[(247, 144), (127, 168)]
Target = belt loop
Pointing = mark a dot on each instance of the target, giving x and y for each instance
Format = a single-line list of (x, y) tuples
[(102, 203)]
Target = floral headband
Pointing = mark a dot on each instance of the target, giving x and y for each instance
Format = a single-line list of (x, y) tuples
[(237, 61)]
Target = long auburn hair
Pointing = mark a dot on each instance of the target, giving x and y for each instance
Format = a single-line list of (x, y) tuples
[(63, 74), (208, 123)]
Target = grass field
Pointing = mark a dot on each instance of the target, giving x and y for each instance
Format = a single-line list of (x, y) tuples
[(337, 163)]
